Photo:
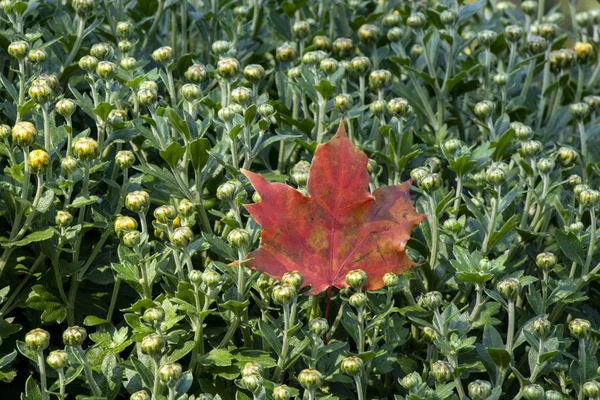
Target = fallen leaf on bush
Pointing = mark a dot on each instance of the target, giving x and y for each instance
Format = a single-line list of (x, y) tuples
[(339, 227)]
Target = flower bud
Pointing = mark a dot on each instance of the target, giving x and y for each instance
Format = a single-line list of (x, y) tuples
[(101, 51), (566, 157), (418, 174), (429, 334), (169, 374), (593, 102), (299, 173), (310, 379), (352, 365), (239, 238), (548, 31), (83, 7), (18, 49), (390, 280), (329, 66), (573, 181), (252, 368), (392, 19), (165, 214), (522, 131), (562, 60), (430, 182), (132, 239), (74, 336), (529, 7), (360, 65), (441, 371), (416, 50), (36, 56), (151, 344), (196, 73), (124, 159), (88, 63), (395, 34), (580, 188), (591, 389), (531, 148), (589, 198), (451, 146), (552, 395), (227, 68), (536, 44), (448, 17), (379, 79), (125, 46), (500, 79), (584, 52), (313, 58), (318, 326), (40, 93), (211, 278), (252, 382), (301, 29), (580, 328), (106, 70), (282, 392), (545, 261), (140, 395), (509, 288), (163, 55), (293, 278), (285, 53), (5, 132), (182, 236), (576, 227), (513, 33), (63, 218), (480, 390), (541, 327), (124, 29), (533, 392), (321, 42), (190, 92), (580, 111), (358, 300), (66, 107), (154, 316), (432, 300), (399, 107), (147, 97), (254, 72), (368, 33), (545, 165), (484, 109), (411, 381), (39, 161), (343, 47), (486, 38), (185, 208), (57, 359), (124, 224), (37, 339), (284, 294), (416, 20), (356, 279), (24, 133), (241, 95), (137, 201), (378, 107)]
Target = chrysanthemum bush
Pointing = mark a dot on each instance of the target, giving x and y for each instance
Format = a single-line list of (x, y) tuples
[(421, 177)]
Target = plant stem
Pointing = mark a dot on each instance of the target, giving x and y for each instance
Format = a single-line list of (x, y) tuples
[(43, 379), (584, 157), (156, 385), (492, 224), (592, 245), (359, 388), (477, 307), (545, 83), (113, 299), (61, 382), (88, 372), (511, 326), (78, 41), (287, 321), (154, 27), (434, 231), (22, 80)]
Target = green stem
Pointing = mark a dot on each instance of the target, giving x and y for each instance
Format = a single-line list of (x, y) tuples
[(584, 156), (477, 307), (458, 195), (156, 385), (62, 384), (113, 299), (545, 83), (285, 346), (157, 19), (492, 223), (511, 326), (434, 231), (582, 365), (88, 372), (78, 40), (43, 379), (359, 389), (592, 245)]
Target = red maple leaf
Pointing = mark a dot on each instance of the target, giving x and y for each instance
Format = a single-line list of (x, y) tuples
[(339, 227)]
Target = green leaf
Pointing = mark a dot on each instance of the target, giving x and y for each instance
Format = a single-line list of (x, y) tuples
[(38, 236), (32, 390), (172, 154), (41, 299), (325, 89), (45, 201), (103, 110), (501, 357), (182, 351), (81, 201), (199, 152), (218, 357), (179, 124), (249, 115), (570, 246)]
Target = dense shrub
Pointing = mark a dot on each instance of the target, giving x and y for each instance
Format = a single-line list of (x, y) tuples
[(143, 149)]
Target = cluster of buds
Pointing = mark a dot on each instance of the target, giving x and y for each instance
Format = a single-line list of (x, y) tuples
[(252, 377)]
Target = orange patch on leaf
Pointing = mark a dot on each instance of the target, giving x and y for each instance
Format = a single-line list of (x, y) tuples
[(339, 227)]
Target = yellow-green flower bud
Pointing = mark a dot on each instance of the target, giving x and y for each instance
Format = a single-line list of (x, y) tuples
[(529, 7), (552, 395), (399, 107), (151, 344), (358, 300), (196, 73), (154, 316), (18, 49), (185, 208), (253, 383), (318, 326), (124, 29), (165, 214), (254, 72), (40, 93), (293, 278), (566, 157), (241, 95), (221, 47), (228, 67), (580, 328), (140, 395), (125, 46), (411, 381), (101, 51), (531, 148), (546, 261), (88, 63), (484, 109), (163, 55), (211, 278), (536, 44), (5, 132), (124, 159), (589, 198), (391, 20), (106, 70), (132, 239), (430, 182), (580, 111), (124, 224), (379, 79), (301, 29), (591, 389), (83, 7), (329, 65), (416, 50), (63, 218), (24, 133), (533, 392), (429, 334), (190, 92), (285, 53), (441, 371), (283, 294), (356, 279), (368, 33), (147, 97), (86, 148), (395, 34), (448, 17), (432, 300), (68, 165), (39, 161), (74, 336), (170, 373), (137, 201), (310, 379), (509, 288), (37, 339), (36, 56), (321, 42), (378, 107), (343, 47), (416, 21), (480, 390), (343, 102), (57, 359), (66, 107), (486, 38), (390, 280), (182, 237), (541, 327), (573, 180), (252, 368), (352, 365), (282, 392)]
